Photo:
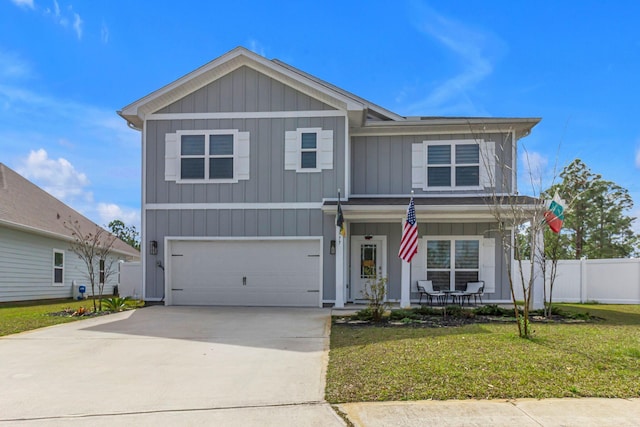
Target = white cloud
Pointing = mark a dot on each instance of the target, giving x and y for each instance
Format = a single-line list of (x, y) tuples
[(13, 67), (533, 172), (56, 8), (476, 50), (104, 33), (56, 176), (77, 25), (638, 157), (110, 211), (24, 3)]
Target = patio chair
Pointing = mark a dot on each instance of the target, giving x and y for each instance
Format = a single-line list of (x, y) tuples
[(425, 287), (475, 289)]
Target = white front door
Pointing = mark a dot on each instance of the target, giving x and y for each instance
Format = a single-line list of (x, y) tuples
[(368, 259)]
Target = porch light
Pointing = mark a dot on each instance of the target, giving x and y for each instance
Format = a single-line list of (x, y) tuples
[(153, 247), (368, 237), (332, 247)]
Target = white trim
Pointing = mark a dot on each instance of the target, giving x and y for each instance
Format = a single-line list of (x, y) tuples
[(430, 195), (169, 239), (53, 267), (514, 162), (143, 219), (247, 115), (347, 160), (218, 206)]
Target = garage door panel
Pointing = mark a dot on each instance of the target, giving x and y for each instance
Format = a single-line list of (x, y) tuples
[(280, 273)]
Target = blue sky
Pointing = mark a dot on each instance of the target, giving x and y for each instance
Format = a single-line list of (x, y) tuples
[(66, 67)]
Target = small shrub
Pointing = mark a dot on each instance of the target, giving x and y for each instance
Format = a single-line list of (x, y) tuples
[(407, 320), (427, 311), (375, 292), (454, 310), (403, 314), (364, 314), (493, 310), (115, 304)]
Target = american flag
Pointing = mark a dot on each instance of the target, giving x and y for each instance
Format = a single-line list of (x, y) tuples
[(409, 241)]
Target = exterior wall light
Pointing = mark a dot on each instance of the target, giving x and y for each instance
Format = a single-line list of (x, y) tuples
[(332, 248), (153, 247)]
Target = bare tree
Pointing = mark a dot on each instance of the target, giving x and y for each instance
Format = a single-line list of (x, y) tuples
[(94, 249), (510, 211)]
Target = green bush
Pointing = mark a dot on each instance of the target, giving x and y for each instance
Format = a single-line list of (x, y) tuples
[(364, 314), (115, 304), (493, 310), (403, 314), (427, 311)]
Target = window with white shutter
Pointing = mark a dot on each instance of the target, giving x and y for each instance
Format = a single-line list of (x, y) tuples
[(308, 150), (207, 156)]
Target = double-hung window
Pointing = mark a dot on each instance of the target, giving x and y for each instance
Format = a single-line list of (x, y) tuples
[(452, 262), (207, 156), (308, 150), (58, 267), (453, 165)]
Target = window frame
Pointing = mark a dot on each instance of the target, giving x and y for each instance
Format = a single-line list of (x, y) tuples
[(207, 156), (55, 267), (452, 165), (299, 133), (452, 257)]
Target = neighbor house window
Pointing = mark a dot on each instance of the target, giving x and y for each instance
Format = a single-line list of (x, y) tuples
[(102, 275), (58, 267), (452, 262), (207, 156), (453, 165)]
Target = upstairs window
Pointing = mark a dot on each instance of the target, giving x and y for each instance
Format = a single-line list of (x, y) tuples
[(308, 150), (456, 165), (216, 156), (453, 165)]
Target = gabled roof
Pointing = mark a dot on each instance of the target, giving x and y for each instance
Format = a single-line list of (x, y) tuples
[(135, 112), (366, 118), (25, 206)]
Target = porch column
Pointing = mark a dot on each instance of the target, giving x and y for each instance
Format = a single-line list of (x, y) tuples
[(538, 280), (340, 243), (405, 280)]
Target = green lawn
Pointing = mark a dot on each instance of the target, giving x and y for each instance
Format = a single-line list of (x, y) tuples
[(25, 316), (488, 361)]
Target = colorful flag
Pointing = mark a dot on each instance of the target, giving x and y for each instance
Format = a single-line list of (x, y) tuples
[(554, 215), (409, 241), (340, 219)]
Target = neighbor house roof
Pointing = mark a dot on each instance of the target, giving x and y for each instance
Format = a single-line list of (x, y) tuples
[(25, 206)]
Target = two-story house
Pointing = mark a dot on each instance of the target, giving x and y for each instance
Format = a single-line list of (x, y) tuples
[(242, 161)]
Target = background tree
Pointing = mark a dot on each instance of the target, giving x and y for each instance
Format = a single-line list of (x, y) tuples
[(126, 233), (596, 225), (94, 249)]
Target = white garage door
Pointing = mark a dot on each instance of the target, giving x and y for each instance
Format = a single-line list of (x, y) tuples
[(241, 272)]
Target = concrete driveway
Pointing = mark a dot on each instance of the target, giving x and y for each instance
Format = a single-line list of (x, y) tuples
[(171, 366)]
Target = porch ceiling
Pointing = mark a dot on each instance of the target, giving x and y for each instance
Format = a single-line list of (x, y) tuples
[(441, 209)]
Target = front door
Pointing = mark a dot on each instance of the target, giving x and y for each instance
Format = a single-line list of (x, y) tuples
[(368, 259)]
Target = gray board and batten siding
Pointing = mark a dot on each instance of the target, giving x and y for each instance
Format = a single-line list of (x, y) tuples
[(268, 181), (383, 164)]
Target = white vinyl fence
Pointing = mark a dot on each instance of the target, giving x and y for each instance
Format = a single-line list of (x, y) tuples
[(607, 281), (130, 280)]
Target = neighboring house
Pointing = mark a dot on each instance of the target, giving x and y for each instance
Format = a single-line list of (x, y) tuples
[(242, 162), (35, 257)]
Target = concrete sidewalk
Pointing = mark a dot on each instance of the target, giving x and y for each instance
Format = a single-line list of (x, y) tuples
[(587, 412)]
